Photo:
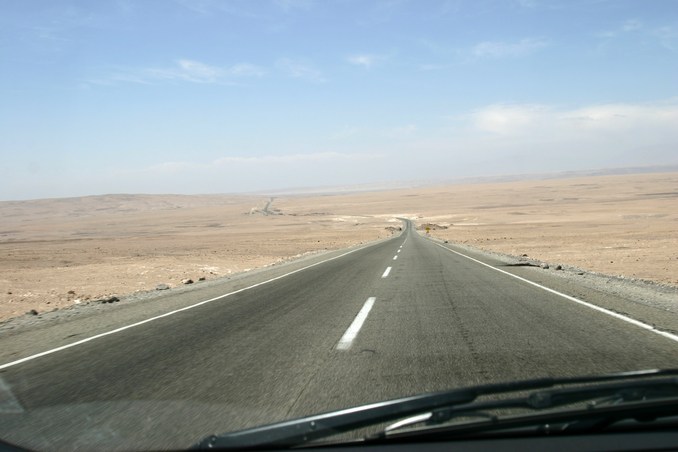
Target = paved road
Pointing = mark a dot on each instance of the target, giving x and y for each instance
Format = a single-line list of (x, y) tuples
[(398, 317)]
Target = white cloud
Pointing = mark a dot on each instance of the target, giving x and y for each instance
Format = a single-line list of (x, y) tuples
[(499, 49), (515, 139), (624, 117), (364, 60), (507, 119), (301, 70), (246, 70), (195, 71), (530, 119)]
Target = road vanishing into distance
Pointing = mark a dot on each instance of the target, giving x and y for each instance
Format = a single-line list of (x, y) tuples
[(392, 318)]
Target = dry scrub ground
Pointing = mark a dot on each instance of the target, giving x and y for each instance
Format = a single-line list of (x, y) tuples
[(616, 225), (59, 252), (55, 253)]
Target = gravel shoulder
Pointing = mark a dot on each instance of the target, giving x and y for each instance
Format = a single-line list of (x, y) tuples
[(29, 334), (650, 302)]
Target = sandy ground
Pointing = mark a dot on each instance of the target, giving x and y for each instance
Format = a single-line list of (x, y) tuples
[(56, 253)]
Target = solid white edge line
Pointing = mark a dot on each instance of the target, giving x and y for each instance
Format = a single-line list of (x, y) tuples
[(388, 270), (635, 322), (352, 332), (167, 314)]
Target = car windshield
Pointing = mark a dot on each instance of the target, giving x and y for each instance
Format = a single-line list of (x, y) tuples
[(221, 214)]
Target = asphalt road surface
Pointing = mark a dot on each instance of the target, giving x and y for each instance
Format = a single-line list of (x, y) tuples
[(398, 317)]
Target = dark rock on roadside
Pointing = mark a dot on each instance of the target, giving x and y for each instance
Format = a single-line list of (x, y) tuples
[(545, 266), (32, 312), (187, 281), (109, 300)]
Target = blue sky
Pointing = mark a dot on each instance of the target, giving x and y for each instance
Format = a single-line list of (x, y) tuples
[(207, 96)]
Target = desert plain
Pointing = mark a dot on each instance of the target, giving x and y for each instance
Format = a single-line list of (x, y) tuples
[(58, 252)]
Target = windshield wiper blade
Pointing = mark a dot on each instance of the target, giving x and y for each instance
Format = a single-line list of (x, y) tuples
[(595, 396), (299, 431)]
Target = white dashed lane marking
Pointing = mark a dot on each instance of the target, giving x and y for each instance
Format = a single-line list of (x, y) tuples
[(352, 332)]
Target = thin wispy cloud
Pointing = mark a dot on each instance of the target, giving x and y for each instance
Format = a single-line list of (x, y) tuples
[(49, 33), (401, 132), (380, 12), (632, 25), (527, 3), (291, 5), (665, 36), (628, 26), (301, 70), (175, 167), (503, 49), (184, 70), (240, 9), (505, 138), (292, 158)]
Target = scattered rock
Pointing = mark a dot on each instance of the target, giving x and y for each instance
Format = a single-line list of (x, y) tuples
[(544, 265), (71, 292), (109, 300), (446, 241), (9, 293), (524, 255), (430, 226), (32, 312), (76, 301), (580, 273), (559, 267), (187, 281), (162, 286), (202, 278)]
